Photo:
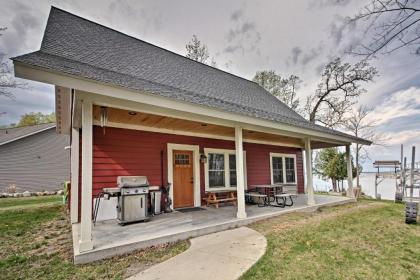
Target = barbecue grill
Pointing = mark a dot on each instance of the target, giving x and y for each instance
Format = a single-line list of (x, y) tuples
[(133, 199)]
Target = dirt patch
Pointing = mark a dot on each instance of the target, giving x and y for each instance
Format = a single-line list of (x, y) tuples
[(54, 237)]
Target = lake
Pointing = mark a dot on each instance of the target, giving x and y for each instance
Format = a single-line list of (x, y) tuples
[(367, 180)]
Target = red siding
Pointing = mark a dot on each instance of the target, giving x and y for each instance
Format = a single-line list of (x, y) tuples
[(119, 152)]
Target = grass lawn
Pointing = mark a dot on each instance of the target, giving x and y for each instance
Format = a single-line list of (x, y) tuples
[(367, 240), (35, 238), (30, 202)]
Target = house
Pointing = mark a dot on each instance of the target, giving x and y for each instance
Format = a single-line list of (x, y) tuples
[(130, 101), (33, 158)]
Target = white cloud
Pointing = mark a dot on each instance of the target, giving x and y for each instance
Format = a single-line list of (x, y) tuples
[(403, 103)]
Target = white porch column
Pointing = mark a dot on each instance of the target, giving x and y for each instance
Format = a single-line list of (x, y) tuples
[(309, 176), (85, 242), (350, 192), (74, 203), (240, 185)]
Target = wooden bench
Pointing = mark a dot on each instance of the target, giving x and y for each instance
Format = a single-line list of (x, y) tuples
[(217, 197), (262, 199), (283, 197)]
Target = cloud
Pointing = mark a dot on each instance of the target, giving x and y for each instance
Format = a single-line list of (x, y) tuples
[(311, 55), (236, 15), (328, 3), (398, 105), (296, 52), (243, 30), (243, 36), (38, 98)]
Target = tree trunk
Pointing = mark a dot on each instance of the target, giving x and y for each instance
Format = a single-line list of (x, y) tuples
[(357, 168), (334, 184)]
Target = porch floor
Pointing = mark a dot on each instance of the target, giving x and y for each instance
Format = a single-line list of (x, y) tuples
[(110, 239)]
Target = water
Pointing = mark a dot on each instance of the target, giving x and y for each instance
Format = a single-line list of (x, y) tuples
[(367, 180)]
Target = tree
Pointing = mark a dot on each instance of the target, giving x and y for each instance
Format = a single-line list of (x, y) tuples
[(323, 165), (359, 124), (340, 85), (7, 81), (282, 88), (330, 163), (389, 25), (33, 118), (198, 51)]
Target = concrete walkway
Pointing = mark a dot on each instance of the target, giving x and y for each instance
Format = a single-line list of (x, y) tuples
[(223, 255)]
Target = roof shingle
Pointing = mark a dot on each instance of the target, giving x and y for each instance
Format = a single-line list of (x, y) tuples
[(80, 47), (8, 135)]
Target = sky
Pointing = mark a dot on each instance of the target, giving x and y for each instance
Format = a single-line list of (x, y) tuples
[(291, 37)]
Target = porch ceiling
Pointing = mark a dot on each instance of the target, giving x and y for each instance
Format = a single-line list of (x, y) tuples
[(129, 119)]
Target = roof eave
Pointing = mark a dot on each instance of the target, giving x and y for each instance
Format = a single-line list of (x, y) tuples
[(38, 73)]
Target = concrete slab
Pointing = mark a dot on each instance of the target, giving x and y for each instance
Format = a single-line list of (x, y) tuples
[(110, 239), (224, 255)]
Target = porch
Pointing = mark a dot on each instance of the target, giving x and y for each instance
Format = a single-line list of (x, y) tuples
[(110, 239)]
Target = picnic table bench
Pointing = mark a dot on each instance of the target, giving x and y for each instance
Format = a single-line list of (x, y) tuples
[(270, 195), (216, 197), (262, 199), (284, 197)]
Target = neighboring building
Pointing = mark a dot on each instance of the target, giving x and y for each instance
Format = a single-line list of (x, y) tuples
[(33, 158), (138, 109)]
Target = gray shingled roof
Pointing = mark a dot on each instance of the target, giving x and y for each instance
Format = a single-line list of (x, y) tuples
[(79, 47), (8, 135)]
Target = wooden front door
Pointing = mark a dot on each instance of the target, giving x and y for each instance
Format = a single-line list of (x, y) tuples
[(183, 177)]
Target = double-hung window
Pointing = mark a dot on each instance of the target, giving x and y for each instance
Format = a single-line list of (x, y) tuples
[(220, 169), (283, 168)]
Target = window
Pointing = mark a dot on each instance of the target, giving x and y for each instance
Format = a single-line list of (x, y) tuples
[(182, 159), (216, 170), (283, 168), (277, 165), (220, 169)]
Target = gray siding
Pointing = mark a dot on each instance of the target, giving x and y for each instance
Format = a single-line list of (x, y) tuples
[(35, 163)]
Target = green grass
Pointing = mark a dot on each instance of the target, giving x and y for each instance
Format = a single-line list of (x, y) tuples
[(35, 243), (368, 240), (29, 202)]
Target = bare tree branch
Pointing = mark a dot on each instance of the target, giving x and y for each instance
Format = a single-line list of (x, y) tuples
[(340, 85), (7, 80), (390, 26)]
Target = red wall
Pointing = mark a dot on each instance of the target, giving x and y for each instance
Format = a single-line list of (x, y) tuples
[(118, 152)]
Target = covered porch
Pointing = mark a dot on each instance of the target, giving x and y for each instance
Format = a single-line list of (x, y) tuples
[(110, 239), (103, 124)]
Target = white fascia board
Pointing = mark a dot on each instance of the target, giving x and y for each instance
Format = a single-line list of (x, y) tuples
[(246, 122)]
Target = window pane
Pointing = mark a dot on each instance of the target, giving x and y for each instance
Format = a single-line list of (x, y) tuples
[(232, 170), (232, 178), (232, 162), (216, 162), (277, 170), (290, 170), (216, 179), (182, 159)]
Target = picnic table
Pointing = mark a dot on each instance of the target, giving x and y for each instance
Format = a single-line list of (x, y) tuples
[(269, 195), (221, 196), (269, 190)]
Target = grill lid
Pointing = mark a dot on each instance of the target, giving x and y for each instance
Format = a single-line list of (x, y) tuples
[(132, 181)]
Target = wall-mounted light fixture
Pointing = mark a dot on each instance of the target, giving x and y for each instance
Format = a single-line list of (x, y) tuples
[(132, 113), (203, 158)]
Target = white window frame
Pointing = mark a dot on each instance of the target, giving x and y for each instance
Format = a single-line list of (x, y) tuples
[(283, 156), (226, 153)]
